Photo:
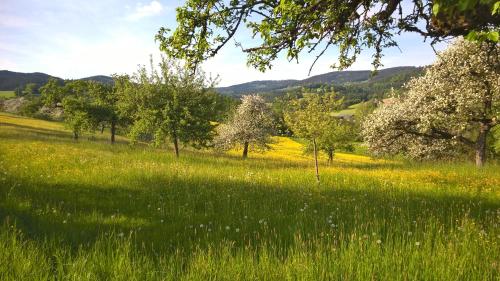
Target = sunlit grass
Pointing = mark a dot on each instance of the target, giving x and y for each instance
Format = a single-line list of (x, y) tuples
[(348, 111), (7, 94), (89, 210)]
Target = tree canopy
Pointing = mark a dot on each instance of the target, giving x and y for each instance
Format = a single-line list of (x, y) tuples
[(294, 26), (171, 104), (454, 105), (311, 117)]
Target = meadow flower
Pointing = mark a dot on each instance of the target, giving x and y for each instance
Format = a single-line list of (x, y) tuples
[(120, 234), (161, 221), (379, 241), (227, 227), (64, 221), (417, 243), (237, 230), (201, 225)]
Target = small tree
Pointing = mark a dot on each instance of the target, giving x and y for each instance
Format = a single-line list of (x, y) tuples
[(311, 116), (52, 92), (173, 104), (76, 116), (338, 133), (455, 104), (106, 98), (31, 89), (251, 125), (80, 114)]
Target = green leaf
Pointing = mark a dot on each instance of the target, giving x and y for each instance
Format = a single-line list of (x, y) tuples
[(496, 8), (493, 36), (471, 36), (435, 8)]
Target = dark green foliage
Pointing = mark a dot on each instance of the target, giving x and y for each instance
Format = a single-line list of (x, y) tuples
[(295, 27), (106, 99)]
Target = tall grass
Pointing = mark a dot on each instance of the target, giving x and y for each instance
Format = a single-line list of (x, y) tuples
[(89, 210)]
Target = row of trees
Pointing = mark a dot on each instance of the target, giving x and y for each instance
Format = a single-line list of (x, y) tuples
[(451, 109), (310, 117), (168, 104), (173, 104)]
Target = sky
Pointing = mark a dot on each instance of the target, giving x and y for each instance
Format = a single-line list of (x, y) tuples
[(75, 39)]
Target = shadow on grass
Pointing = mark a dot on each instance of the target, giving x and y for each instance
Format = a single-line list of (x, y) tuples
[(172, 213), (29, 133)]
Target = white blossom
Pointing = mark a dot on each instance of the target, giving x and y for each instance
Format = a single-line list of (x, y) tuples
[(444, 111)]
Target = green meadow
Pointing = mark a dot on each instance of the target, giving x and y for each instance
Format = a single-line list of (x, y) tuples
[(89, 210), (7, 94)]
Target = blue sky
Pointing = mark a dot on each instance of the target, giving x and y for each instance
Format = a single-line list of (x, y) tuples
[(74, 39)]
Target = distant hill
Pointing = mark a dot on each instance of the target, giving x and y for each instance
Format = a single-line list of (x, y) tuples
[(354, 86), (10, 80), (341, 80)]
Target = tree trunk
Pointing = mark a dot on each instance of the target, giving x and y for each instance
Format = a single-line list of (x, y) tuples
[(481, 145), (113, 131), (330, 157), (245, 150), (176, 146), (102, 129), (316, 159), (75, 135)]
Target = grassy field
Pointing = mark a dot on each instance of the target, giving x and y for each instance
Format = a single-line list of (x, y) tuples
[(89, 210), (348, 111), (7, 94)]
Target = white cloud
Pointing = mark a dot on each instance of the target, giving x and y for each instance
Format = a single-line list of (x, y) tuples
[(147, 10)]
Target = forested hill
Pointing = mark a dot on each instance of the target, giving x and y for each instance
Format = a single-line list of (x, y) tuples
[(10, 80), (360, 83), (355, 86)]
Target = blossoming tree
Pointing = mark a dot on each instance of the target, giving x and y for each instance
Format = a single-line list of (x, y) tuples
[(252, 124), (454, 105)]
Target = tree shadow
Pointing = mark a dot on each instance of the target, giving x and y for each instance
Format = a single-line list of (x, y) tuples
[(30, 133), (174, 213)]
